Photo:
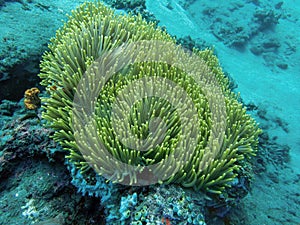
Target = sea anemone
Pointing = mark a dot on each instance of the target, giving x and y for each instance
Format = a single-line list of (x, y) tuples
[(162, 115)]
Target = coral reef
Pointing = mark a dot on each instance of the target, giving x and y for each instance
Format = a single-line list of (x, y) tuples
[(149, 205), (127, 4), (168, 203), (235, 33), (135, 7), (20, 52), (49, 198), (35, 185), (260, 26)]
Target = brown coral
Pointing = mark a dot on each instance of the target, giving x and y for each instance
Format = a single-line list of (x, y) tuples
[(31, 98)]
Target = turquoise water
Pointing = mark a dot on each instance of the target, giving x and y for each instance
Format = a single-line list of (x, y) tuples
[(257, 43)]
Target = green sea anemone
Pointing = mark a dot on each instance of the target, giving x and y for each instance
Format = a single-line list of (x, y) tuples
[(203, 150)]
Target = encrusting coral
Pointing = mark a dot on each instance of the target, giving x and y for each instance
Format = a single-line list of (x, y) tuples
[(94, 29)]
